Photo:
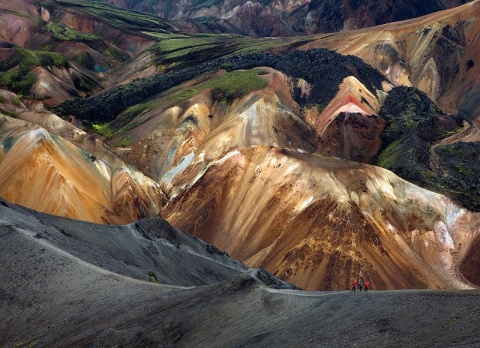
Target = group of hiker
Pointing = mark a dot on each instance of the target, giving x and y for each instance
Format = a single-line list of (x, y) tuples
[(360, 284)]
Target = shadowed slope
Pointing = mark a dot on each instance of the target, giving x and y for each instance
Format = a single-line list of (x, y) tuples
[(147, 250), (287, 17)]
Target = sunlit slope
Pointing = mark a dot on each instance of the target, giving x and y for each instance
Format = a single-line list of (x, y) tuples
[(262, 106), (229, 110), (44, 172), (318, 222), (235, 166), (437, 53)]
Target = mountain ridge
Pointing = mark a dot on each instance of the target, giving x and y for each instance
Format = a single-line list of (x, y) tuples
[(287, 17)]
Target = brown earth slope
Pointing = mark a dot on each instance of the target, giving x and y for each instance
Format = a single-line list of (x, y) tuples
[(320, 222)]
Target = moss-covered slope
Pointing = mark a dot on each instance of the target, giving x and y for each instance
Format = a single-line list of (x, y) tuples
[(413, 147)]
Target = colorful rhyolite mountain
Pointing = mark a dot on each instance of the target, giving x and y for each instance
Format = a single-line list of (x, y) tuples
[(270, 160), (286, 17)]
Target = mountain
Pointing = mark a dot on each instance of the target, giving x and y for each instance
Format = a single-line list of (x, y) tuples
[(285, 17), (67, 172), (215, 141), (71, 283), (59, 49), (437, 55), (271, 149), (318, 221)]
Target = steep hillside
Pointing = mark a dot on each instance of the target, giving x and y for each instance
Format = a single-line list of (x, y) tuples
[(48, 173), (58, 50), (435, 53), (294, 105), (319, 222), (199, 141)]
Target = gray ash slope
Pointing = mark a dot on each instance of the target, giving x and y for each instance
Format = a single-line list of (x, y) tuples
[(69, 283), (148, 250)]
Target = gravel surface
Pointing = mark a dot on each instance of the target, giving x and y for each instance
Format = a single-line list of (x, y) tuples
[(57, 293)]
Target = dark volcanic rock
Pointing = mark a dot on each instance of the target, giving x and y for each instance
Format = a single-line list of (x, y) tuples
[(324, 69), (414, 125), (145, 250)]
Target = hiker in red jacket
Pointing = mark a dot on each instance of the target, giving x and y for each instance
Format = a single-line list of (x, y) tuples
[(367, 285), (354, 285)]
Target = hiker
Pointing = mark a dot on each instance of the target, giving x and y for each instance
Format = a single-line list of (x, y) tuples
[(360, 284), (354, 285), (367, 284)]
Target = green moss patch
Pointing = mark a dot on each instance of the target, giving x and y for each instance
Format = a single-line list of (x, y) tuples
[(236, 84), (103, 129), (32, 58), (415, 124), (126, 141), (16, 75), (18, 80), (67, 34), (225, 87), (8, 113), (138, 109)]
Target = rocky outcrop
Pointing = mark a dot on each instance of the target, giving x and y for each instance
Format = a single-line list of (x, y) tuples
[(349, 126)]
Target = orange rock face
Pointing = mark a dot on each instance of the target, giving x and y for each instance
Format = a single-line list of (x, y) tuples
[(47, 173), (436, 53), (319, 222)]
